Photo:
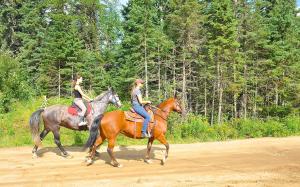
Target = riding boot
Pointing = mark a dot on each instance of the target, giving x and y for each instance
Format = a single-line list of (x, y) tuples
[(82, 121), (145, 135)]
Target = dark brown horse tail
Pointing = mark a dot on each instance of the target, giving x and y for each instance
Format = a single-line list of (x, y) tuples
[(35, 126), (94, 131)]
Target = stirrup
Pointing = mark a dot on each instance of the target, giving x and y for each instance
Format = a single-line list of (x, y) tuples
[(82, 121), (145, 135)]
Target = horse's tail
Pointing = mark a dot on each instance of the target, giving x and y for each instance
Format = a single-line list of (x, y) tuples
[(94, 131), (35, 126)]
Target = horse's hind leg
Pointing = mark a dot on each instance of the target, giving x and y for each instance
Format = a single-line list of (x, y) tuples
[(149, 145), (162, 139), (110, 149), (42, 136), (93, 151)]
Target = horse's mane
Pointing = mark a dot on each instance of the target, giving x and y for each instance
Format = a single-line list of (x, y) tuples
[(163, 103), (100, 97)]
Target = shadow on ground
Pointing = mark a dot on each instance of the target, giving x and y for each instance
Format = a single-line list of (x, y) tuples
[(125, 152)]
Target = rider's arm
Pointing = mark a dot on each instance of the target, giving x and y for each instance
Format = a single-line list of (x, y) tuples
[(78, 88), (141, 99)]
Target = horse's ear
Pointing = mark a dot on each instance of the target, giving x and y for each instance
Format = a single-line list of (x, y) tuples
[(175, 95)]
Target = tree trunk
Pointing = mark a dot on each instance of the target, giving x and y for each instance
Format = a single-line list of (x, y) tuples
[(245, 95), (184, 95), (159, 77), (59, 79), (174, 73), (234, 93), (220, 91), (213, 104), (205, 98), (72, 78), (146, 66), (276, 94), (165, 82), (255, 104)]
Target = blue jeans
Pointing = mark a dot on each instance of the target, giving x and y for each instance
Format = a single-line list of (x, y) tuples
[(141, 111)]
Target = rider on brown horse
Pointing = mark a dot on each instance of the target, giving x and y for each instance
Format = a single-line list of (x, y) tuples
[(137, 104), (79, 94)]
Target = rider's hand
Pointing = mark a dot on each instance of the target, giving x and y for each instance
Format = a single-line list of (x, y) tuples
[(91, 100)]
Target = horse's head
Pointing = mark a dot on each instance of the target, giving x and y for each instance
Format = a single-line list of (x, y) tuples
[(176, 105), (114, 98)]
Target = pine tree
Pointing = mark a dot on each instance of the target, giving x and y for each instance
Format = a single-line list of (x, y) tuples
[(222, 34)]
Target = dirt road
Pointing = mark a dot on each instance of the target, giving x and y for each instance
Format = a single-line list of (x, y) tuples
[(252, 162)]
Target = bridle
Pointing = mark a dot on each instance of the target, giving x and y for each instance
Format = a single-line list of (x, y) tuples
[(156, 108), (115, 98)]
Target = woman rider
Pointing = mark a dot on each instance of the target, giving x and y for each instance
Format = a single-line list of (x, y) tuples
[(79, 94), (137, 104)]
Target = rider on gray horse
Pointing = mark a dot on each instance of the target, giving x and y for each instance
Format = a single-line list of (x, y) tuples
[(79, 94)]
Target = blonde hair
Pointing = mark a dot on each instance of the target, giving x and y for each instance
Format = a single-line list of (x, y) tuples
[(133, 87)]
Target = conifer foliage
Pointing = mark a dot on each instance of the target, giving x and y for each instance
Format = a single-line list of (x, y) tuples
[(226, 58)]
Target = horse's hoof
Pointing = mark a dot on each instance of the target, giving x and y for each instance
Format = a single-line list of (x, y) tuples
[(34, 156), (89, 162), (117, 165), (97, 154), (148, 161), (163, 161), (66, 155), (69, 156)]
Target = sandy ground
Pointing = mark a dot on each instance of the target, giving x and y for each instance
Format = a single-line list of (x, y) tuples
[(252, 162)]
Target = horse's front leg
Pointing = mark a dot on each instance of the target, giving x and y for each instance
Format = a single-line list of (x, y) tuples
[(162, 139), (110, 149), (149, 145), (58, 143)]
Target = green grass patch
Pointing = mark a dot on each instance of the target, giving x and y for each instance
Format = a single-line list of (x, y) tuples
[(14, 127)]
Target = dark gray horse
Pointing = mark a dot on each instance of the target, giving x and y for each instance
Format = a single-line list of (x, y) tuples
[(57, 115)]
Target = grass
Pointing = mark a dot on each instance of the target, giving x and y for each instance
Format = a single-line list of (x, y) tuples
[(14, 128)]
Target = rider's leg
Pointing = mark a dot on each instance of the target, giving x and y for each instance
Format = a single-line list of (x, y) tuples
[(141, 111), (80, 104)]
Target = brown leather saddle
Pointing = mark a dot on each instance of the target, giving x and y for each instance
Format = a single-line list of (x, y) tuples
[(131, 115)]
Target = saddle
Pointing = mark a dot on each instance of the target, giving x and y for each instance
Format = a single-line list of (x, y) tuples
[(132, 116), (74, 109)]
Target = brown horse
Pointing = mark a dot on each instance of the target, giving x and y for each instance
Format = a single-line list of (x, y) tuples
[(115, 122)]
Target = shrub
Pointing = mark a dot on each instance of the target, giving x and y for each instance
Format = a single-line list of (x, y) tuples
[(292, 124), (13, 86), (225, 131), (274, 128), (197, 127), (249, 128), (277, 111)]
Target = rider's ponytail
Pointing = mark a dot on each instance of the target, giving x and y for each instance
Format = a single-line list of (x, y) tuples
[(74, 81), (133, 88)]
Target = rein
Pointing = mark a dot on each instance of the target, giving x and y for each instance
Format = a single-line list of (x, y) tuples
[(157, 113)]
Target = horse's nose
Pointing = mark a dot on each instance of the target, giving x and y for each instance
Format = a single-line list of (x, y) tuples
[(119, 104)]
